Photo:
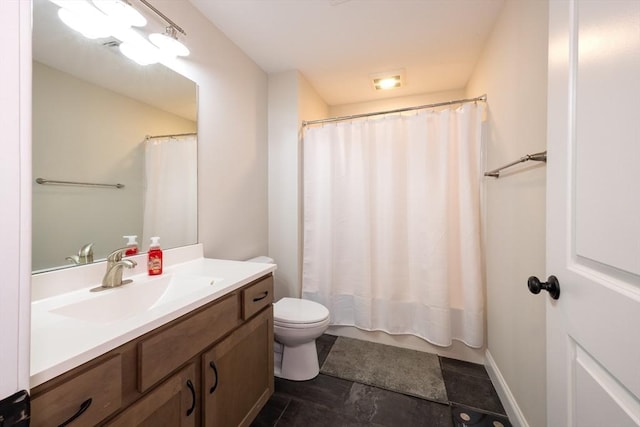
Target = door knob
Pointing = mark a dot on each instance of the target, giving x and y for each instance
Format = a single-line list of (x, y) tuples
[(551, 285)]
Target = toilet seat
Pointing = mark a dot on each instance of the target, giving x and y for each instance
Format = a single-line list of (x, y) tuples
[(299, 313), (286, 325)]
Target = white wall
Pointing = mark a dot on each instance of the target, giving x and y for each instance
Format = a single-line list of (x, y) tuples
[(291, 100), (15, 194), (232, 137), (83, 132), (513, 72)]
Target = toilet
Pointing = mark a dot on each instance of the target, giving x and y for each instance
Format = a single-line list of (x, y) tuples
[(296, 325)]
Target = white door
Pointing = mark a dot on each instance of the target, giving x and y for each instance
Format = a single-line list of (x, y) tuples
[(593, 213)]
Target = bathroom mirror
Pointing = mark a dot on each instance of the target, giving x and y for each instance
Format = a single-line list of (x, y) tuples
[(93, 111)]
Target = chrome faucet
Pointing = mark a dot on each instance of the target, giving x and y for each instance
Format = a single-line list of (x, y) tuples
[(85, 255), (115, 264)]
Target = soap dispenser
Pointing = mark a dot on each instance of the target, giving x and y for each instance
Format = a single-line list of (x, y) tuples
[(132, 245), (155, 257)]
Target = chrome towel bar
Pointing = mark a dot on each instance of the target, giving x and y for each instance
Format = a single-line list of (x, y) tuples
[(538, 157), (84, 184)]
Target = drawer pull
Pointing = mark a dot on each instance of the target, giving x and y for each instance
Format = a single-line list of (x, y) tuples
[(83, 407), (215, 372), (261, 297), (193, 397)]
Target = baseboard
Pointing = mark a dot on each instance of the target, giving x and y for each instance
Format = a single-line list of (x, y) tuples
[(516, 417)]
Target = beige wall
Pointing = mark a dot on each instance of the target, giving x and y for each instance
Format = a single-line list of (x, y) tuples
[(395, 103), (82, 132), (513, 72), (291, 100)]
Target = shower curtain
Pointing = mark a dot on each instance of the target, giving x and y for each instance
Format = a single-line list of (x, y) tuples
[(170, 202), (392, 224)]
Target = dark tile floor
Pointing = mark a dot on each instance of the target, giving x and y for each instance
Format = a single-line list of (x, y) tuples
[(335, 402)]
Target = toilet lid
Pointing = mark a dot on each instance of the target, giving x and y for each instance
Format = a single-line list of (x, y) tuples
[(296, 310)]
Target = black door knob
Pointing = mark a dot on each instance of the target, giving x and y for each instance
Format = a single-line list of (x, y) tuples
[(551, 285)]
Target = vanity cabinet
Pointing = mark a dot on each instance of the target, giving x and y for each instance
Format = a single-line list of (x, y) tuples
[(210, 367), (238, 374), (92, 393), (171, 404)]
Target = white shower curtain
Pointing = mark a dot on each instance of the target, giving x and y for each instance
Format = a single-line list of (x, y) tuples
[(392, 224), (170, 203)]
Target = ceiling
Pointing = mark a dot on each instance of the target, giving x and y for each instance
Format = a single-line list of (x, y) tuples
[(338, 44)]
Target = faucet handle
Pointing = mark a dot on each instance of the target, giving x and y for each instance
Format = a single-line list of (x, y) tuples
[(85, 254), (116, 256)]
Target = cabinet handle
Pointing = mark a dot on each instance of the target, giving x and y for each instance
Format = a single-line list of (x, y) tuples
[(261, 297), (83, 407), (215, 372), (193, 397)]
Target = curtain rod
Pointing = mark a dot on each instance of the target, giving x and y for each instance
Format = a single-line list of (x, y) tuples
[(482, 98), (169, 136)]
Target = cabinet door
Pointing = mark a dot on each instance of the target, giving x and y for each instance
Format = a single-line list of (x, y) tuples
[(172, 404), (82, 400), (238, 374)]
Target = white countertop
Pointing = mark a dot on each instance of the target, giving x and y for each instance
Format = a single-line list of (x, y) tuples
[(62, 342)]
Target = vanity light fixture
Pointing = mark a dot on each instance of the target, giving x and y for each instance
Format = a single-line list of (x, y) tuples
[(115, 18), (139, 53), (84, 18), (169, 43), (92, 27), (121, 11)]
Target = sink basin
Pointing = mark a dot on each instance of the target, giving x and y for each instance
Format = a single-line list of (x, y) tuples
[(142, 295)]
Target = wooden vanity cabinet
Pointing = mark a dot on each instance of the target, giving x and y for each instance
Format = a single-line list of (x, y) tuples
[(174, 403), (238, 374), (165, 377), (83, 398)]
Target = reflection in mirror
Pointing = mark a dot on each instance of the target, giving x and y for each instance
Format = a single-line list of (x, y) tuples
[(99, 118)]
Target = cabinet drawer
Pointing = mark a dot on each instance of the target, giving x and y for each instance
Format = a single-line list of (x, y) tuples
[(256, 297), (98, 390), (162, 353)]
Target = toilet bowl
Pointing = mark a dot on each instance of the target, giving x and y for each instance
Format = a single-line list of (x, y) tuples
[(296, 325)]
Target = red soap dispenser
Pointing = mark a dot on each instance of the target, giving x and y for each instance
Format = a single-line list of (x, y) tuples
[(132, 245), (155, 257)]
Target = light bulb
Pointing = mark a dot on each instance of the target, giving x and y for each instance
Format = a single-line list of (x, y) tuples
[(92, 27), (388, 83), (168, 44), (121, 11), (139, 53)]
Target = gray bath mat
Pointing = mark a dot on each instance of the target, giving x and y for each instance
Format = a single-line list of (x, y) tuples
[(397, 369)]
